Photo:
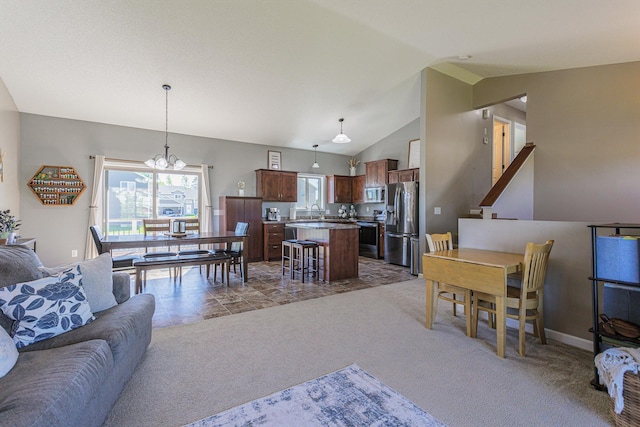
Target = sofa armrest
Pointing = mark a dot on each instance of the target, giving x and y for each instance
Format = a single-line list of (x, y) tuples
[(121, 286)]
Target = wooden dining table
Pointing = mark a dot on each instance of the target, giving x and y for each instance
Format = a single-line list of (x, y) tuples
[(475, 269), (129, 241)]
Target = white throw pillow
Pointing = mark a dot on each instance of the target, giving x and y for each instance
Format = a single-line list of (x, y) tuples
[(8, 353), (46, 307), (97, 280)]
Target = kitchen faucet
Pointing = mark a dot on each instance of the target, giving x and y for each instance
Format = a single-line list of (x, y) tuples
[(318, 210)]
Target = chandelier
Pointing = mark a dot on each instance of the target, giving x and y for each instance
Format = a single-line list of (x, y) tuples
[(166, 161)]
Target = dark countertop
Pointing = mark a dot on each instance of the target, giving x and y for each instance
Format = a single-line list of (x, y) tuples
[(323, 225), (327, 220)]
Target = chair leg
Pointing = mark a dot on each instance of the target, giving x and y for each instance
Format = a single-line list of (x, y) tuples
[(454, 305), (226, 266), (521, 336), (467, 310), (474, 323)]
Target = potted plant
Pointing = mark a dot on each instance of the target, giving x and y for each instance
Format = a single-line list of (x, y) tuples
[(8, 225), (353, 162)]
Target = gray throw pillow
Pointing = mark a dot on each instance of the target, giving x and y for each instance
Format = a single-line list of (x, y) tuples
[(8, 353), (18, 264), (97, 280)]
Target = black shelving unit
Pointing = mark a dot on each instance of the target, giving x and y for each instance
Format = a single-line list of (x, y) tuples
[(600, 336)]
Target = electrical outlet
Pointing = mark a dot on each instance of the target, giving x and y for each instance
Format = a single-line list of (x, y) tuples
[(74, 253), (367, 208), (437, 211)]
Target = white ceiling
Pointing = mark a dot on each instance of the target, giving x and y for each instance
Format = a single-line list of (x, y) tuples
[(282, 72)]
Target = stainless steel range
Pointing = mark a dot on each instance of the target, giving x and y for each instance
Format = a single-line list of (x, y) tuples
[(369, 238)]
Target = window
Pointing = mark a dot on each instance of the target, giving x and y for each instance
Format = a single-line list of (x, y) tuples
[(310, 191), (133, 194)]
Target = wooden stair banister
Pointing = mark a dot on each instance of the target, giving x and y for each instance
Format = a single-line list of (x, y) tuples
[(511, 171)]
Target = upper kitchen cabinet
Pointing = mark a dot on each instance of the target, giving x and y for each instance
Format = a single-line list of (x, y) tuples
[(404, 175), (277, 186), (339, 189), (376, 172), (357, 188)]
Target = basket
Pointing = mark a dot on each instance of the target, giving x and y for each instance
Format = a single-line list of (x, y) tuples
[(630, 415)]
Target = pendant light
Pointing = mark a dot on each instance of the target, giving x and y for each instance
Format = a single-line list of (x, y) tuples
[(315, 164), (166, 161), (341, 138)]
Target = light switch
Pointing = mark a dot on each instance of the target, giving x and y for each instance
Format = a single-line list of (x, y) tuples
[(436, 211)]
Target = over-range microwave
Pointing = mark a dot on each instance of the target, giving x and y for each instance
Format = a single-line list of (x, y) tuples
[(374, 195)]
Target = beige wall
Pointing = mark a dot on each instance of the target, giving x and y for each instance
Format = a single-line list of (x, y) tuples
[(585, 123), (457, 163), (9, 144)]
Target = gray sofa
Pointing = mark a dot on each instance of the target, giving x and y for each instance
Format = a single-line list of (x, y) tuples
[(75, 378)]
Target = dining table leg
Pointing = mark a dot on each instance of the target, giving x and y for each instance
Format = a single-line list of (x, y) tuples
[(501, 325), (430, 312), (245, 245)]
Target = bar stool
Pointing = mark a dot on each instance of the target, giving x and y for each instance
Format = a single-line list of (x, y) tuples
[(304, 259), (287, 256)]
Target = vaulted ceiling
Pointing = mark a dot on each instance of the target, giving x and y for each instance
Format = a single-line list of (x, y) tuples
[(282, 72)]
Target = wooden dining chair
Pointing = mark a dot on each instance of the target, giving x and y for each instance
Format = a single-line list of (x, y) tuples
[(153, 227), (447, 292), (525, 302), (192, 226)]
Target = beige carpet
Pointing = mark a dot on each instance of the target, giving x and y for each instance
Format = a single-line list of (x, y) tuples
[(193, 371)]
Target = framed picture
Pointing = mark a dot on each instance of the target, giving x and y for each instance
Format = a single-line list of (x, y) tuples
[(274, 160), (414, 154)]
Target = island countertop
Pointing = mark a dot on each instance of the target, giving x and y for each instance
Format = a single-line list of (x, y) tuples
[(322, 225)]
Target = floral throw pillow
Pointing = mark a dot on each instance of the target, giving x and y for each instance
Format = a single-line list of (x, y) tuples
[(46, 307)]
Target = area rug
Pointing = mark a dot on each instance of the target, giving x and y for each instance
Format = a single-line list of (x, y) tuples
[(348, 397)]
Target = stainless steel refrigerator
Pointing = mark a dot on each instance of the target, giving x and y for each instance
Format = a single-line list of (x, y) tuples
[(401, 223)]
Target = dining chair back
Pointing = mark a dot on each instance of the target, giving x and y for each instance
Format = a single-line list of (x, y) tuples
[(525, 302), (439, 242), (192, 225), (118, 262), (447, 292), (154, 226), (96, 233)]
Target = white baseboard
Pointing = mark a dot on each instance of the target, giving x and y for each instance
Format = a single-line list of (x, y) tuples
[(571, 340), (555, 335)]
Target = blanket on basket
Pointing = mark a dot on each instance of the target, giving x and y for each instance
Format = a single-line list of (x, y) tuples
[(612, 365)]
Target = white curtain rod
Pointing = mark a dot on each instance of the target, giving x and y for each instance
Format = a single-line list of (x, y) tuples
[(137, 162)]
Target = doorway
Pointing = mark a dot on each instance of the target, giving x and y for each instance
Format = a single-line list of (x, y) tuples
[(501, 147)]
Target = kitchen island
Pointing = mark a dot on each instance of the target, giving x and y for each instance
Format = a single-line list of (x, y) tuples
[(339, 259)]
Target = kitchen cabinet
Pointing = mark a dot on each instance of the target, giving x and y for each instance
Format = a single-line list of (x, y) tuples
[(277, 186), (244, 209), (357, 188), (273, 237), (338, 189), (404, 175), (376, 172)]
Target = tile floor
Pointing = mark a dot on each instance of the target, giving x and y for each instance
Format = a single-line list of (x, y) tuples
[(197, 298)]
